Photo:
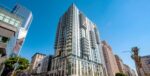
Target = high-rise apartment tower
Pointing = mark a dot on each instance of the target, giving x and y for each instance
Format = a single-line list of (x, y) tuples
[(77, 46)]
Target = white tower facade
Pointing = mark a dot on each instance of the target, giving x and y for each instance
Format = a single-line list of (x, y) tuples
[(77, 47)]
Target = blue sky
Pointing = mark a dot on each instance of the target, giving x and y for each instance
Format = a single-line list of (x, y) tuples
[(122, 23)]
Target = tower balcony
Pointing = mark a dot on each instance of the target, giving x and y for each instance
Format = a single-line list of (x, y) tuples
[(69, 34), (69, 31), (84, 46), (69, 37)]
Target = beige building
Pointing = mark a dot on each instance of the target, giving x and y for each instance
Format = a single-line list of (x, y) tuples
[(44, 66), (120, 64), (36, 58), (133, 72), (123, 68), (129, 71), (146, 64), (110, 60)]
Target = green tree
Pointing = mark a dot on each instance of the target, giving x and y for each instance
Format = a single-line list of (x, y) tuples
[(120, 74), (23, 63)]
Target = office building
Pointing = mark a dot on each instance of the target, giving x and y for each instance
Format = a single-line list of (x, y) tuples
[(77, 46), (25, 13), (145, 60), (110, 60), (26, 16), (24, 19), (9, 27)]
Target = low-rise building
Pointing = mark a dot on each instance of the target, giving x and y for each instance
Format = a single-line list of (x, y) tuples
[(36, 58), (145, 60), (44, 66), (129, 71), (123, 68)]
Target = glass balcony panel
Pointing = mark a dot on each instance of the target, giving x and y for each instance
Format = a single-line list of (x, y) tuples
[(6, 20), (1, 17)]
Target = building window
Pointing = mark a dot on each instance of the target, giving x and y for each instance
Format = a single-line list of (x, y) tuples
[(4, 39), (1, 16), (83, 32), (6, 19), (0, 39), (9, 20), (16, 23), (12, 21)]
